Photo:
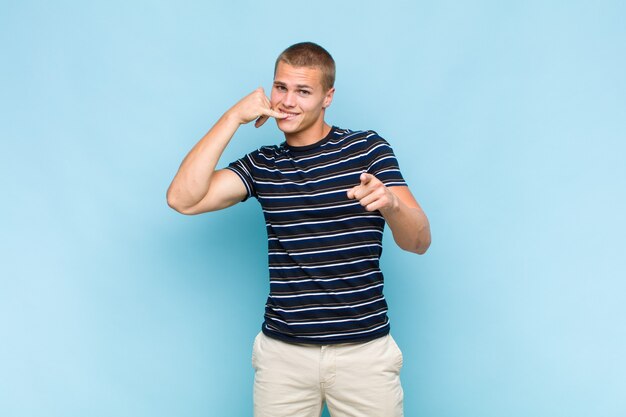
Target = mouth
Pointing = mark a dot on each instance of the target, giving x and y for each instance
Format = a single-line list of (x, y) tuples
[(290, 115)]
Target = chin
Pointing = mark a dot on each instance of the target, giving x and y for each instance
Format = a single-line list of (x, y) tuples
[(287, 127)]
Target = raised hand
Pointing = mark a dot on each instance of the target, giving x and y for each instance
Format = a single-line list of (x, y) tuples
[(372, 194), (257, 106)]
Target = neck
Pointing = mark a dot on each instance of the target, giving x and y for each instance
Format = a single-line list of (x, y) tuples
[(309, 137)]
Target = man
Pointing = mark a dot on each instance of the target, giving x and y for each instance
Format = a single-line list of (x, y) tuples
[(326, 194)]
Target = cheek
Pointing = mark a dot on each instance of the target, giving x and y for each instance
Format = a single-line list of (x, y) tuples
[(275, 97), (308, 106)]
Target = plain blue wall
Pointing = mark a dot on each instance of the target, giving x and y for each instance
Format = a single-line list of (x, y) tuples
[(508, 119)]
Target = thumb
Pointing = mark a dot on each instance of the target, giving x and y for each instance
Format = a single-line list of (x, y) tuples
[(366, 178)]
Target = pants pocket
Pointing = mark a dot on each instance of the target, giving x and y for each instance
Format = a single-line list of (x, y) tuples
[(255, 350), (399, 358)]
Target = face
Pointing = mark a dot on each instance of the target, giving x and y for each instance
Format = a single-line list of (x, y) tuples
[(298, 92)]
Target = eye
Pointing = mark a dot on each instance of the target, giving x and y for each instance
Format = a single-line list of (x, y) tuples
[(280, 87), (305, 92)]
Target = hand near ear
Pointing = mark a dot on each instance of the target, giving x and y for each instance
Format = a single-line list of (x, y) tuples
[(257, 106), (372, 194)]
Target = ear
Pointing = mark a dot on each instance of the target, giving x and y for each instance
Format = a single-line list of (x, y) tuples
[(329, 97)]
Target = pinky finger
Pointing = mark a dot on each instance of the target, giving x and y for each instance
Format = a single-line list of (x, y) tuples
[(260, 121)]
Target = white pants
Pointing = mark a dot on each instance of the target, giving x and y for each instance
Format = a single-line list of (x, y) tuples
[(354, 379)]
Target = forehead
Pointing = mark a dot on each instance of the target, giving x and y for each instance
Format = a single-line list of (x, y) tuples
[(290, 75)]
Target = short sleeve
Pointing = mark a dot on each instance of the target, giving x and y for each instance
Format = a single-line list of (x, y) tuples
[(383, 163), (243, 168)]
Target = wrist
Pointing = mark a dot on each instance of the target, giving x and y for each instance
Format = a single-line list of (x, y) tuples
[(231, 117), (393, 206)]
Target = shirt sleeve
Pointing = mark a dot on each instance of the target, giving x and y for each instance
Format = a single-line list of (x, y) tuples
[(383, 163), (243, 168)]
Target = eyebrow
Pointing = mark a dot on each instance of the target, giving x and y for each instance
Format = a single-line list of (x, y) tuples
[(298, 85)]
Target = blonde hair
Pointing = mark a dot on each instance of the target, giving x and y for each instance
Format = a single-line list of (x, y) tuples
[(309, 54)]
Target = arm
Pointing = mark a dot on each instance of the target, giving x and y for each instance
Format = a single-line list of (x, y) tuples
[(405, 217), (197, 186)]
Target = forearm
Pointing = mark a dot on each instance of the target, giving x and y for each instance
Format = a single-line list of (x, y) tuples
[(193, 178), (409, 226)]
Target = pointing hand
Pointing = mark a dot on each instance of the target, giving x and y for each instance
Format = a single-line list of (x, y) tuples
[(372, 194)]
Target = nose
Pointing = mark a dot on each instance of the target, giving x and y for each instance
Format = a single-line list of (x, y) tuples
[(289, 99)]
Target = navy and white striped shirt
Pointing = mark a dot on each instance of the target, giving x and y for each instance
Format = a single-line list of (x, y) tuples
[(325, 282)]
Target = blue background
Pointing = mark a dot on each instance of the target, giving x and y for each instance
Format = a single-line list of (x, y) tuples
[(508, 119)]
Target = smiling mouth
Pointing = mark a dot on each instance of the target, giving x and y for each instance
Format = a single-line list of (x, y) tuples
[(290, 115)]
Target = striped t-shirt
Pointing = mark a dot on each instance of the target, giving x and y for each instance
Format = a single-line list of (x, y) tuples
[(325, 282)]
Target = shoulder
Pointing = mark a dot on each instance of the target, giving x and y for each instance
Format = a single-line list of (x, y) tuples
[(362, 143), (268, 152), (367, 137), (370, 136), (370, 140), (262, 158)]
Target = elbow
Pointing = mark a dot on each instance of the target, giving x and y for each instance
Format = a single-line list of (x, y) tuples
[(418, 240), (422, 247), (423, 239), (175, 204), (421, 243), (419, 247)]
